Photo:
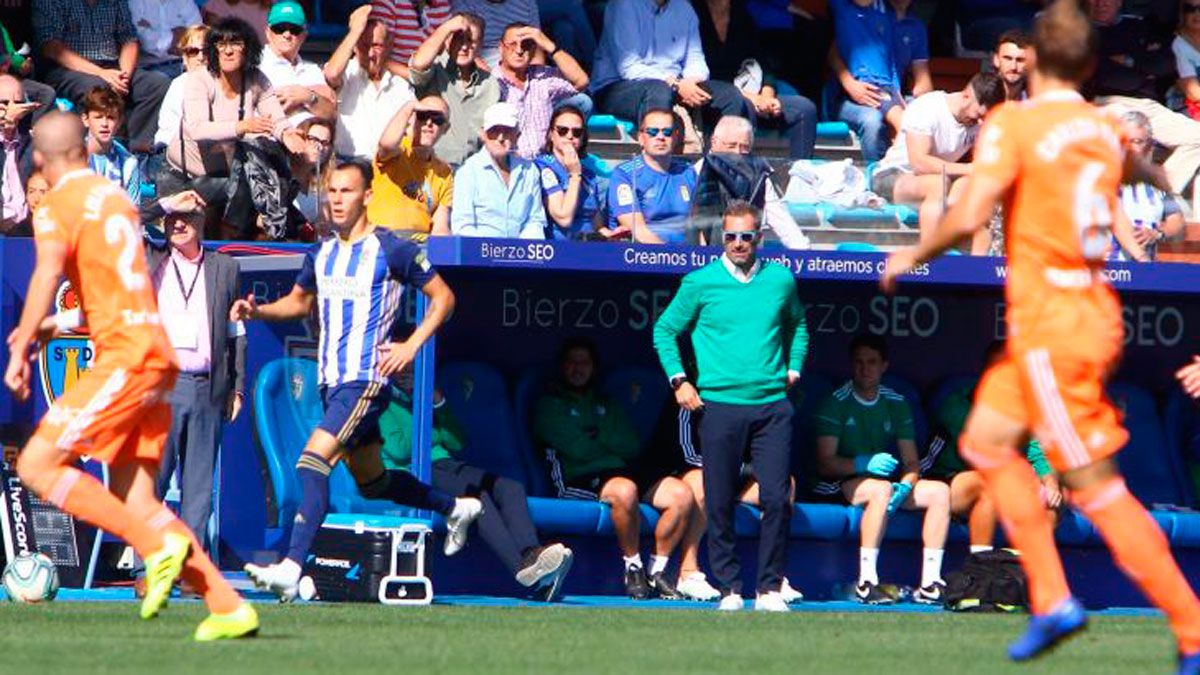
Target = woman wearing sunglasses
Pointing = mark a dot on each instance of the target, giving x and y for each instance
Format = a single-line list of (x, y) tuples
[(570, 182), (191, 47)]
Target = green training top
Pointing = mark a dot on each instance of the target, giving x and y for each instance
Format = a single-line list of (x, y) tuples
[(746, 336), (396, 427), (865, 427), (952, 417), (589, 433)]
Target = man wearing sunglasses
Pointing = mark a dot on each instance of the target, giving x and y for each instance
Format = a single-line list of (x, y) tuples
[(299, 85), (749, 335), (496, 193), (413, 188), (368, 92), (538, 89), (650, 196)]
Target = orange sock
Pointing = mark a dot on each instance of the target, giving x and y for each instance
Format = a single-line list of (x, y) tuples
[(1141, 550), (198, 570), (1013, 487), (84, 497)]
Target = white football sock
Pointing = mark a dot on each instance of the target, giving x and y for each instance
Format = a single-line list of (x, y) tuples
[(658, 563), (931, 567), (866, 565), (632, 561)]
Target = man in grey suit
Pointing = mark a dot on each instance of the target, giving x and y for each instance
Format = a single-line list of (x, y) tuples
[(195, 289)]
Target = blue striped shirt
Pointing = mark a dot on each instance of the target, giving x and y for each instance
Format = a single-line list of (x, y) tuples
[(121, 167), (1146, 207), (358, 287)]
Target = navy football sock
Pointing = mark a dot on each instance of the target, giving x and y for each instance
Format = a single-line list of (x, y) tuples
[(313, 472), (403, 488)]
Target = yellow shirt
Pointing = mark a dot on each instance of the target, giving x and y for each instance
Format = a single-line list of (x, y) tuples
[(409, 190)]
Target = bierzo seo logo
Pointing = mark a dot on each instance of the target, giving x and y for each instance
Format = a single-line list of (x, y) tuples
[(534, 252)]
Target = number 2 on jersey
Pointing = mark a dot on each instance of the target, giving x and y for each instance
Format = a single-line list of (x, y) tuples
[(118, 230), (1093, 218)]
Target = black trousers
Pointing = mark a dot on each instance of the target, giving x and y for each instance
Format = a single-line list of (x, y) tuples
[(505, 524), (146, 91), (728, 433), (628, 99)]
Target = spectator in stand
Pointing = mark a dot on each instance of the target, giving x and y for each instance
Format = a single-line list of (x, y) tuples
[(983, 21), (536, 90), (505, 525), (227, 102), (19, 65), (299, 85), (924, 166), (170, 114), (731, 51), (16, 157), (1011, 60), (729, 157), (791, 37), (413, 189), (593, 451), (567, 24), (160, 26), (968, 498), (571, 185), (92, 43), (1132, 59), (496, 15), (409, 23), (912, 50), (310, 170), (368, 93), (1186, 47), (1154, 215), (36, 188), (102, 109), (865, 92), (496, 192), (650, 57), (860, 429), (253, 12), (650, 196), (467, 89)]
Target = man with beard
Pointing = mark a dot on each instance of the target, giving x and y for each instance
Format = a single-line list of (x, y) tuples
[(1010, 60)]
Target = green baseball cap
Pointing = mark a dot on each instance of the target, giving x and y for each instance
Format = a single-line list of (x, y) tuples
[(287, 11)]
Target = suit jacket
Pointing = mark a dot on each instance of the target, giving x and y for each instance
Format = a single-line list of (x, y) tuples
[(222, 284)]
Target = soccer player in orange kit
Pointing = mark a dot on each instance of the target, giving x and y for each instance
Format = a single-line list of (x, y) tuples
[(1057, 162), (117, 413)]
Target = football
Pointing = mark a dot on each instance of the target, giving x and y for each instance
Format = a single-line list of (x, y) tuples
[(31, 578)]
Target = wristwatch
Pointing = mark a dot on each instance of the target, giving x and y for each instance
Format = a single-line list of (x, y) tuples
[(677, 381)]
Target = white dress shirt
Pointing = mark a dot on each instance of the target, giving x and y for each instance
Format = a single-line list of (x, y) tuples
[(364, 109), (155, 21)]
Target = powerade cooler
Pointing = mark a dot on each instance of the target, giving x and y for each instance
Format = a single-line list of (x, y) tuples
[(359, 558)]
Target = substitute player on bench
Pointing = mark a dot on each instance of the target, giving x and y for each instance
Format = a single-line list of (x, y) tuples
[(1057, 162), (356, 278)]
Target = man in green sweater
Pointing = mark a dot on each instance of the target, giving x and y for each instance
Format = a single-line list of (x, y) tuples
[(860, 429), (593, 451), (748, 331)]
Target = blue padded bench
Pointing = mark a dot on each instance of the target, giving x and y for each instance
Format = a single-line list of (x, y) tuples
[(838, 216), (607, 126)]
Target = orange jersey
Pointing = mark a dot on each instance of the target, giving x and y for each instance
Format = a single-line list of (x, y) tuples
[(1062, 160), (106, 264)]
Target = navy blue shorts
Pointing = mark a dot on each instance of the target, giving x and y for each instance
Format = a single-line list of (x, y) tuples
[(352, 412)]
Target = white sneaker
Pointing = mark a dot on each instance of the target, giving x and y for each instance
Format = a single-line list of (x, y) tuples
[(731, 603), (466, 511), (770, 602), (695, 587), (789, 594), (282, 578)]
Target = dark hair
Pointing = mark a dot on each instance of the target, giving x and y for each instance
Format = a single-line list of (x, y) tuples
[(988, 89), (656, 111), (513, 26), (362, 166), (473, 19), (870, 341), (1065, 42), (1014, 36), (740, 207), (102, 99), (561, 110), (233, 29), (577, 342)]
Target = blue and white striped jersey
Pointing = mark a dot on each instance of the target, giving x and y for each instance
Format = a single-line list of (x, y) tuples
[(358, 287), (1147, 207)]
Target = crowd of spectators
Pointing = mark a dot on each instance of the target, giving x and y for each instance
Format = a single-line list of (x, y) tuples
[(475, 113)]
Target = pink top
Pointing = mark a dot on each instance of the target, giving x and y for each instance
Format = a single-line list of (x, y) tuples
[(183, 305), (210, 121), (249, 11)]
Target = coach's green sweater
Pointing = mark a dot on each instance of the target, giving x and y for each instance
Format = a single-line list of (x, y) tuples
[(746, 336)]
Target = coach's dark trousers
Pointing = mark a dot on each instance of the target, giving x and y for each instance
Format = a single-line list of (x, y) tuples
[(505, 523), (727, 433), (192, 445)]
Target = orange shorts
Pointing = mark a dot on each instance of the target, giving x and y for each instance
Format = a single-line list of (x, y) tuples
[(112, 414), (1060, 397)]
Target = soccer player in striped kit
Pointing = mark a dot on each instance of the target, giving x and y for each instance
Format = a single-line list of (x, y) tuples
[(356, 277)]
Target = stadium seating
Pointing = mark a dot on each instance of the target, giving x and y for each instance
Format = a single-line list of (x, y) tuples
[(1152, 469)]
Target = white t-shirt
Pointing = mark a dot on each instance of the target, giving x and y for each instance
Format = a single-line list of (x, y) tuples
[(1187, 57), (170, 113), (364, 110), (929, 115), (282, 73), (155, 21)]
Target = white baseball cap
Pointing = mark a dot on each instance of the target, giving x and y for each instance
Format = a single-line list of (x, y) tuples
[(500, 115)]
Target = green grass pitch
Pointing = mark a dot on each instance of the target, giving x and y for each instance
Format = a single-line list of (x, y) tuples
[(89, 638)]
